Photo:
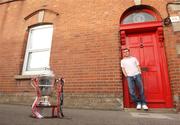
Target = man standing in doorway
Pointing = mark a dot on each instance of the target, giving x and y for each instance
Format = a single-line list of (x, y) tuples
[(132, 71)]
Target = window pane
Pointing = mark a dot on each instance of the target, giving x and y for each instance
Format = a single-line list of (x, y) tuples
[(38, 50), (40, 38), (138, 18), (38, 60)]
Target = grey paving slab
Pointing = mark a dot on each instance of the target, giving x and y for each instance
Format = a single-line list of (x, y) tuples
[(21, 115)]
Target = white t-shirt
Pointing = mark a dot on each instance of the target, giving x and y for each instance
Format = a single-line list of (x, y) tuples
[(130, 65)]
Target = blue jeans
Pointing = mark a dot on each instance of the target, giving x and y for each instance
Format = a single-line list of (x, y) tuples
[(136, 81)]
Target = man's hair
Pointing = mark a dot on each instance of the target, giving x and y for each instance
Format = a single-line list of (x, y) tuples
[(126, 49)]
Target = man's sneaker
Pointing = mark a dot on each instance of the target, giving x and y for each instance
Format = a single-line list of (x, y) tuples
[(144, 106), (138, 107)]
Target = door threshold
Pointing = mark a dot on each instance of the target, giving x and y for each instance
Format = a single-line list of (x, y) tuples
[(152, 110)]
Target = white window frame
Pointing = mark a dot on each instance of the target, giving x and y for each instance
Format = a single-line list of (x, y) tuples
[(42, 70)]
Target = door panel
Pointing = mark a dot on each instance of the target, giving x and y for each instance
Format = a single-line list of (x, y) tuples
[(144, 46)]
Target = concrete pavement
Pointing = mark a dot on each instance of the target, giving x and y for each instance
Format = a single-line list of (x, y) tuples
[(21, 115)]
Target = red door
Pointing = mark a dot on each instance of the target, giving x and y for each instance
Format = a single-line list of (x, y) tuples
[(150, 53)]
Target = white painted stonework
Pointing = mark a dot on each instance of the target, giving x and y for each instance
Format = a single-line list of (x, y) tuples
[(137, 2), (40, 16)]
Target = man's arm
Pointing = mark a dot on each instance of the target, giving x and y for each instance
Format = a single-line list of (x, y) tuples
[(124, 72), (139, 69), (137, 63)]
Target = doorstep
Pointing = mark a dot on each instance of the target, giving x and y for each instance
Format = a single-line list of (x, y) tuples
[(152, 110)]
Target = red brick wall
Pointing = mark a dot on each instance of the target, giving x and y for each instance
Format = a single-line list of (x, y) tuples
[(85, 47), (171, 40)]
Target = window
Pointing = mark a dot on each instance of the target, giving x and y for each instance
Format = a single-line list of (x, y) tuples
[(138, 17), (37, 56)]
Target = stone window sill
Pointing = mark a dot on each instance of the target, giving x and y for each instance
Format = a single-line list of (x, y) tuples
[(23, 77)]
